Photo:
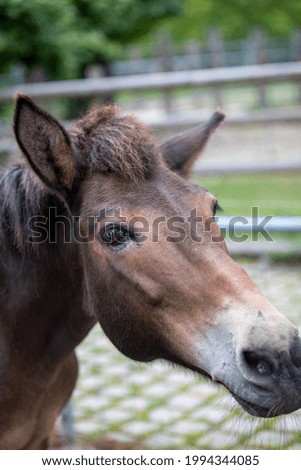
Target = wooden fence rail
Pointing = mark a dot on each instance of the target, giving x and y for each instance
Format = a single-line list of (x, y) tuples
[(252, 74), (167, 81)]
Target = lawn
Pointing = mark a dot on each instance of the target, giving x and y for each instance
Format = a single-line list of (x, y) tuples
[(273, 194)]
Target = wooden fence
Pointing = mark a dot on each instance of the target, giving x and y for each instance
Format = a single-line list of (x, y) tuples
[(253, 75), (167, 82), (162, 53)]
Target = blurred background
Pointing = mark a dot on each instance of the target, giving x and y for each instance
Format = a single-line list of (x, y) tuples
[(173, 63)]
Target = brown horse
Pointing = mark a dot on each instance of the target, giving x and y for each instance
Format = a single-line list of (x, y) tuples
[(98, 223)]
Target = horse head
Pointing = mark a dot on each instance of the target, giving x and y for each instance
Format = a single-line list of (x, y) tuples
[(156, 273)]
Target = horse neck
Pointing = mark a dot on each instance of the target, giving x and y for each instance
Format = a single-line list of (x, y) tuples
[(40, 285), (41, 303)]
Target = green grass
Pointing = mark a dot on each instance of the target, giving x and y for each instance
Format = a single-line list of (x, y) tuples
[(274, 195)]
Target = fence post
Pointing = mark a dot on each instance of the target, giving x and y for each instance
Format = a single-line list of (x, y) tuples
[(260, 46), (193, 50), (68, 430), (134, 55), (163, 45), (216, 59), (194, 61), (249, 52), (94, 71), (296, 53)]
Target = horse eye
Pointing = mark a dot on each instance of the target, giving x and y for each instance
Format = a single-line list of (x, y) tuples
[(115, 235), (216, 208)]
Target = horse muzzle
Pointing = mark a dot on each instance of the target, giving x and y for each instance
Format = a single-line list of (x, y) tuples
[(265, 382)]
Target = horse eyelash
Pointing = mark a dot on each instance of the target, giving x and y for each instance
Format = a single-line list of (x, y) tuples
[(217, 208)]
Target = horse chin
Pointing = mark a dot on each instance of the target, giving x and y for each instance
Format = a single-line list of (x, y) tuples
[(250, 408), (254, 410)]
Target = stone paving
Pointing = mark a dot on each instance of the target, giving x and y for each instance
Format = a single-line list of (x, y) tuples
[(159, 406)]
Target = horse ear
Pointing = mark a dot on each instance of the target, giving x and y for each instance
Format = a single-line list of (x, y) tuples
[(181, 151), (45, 144)]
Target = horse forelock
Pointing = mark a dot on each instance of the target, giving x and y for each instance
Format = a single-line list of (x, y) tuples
[(110, 143)]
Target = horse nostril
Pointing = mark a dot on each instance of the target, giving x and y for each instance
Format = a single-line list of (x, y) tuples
[(259, 363)]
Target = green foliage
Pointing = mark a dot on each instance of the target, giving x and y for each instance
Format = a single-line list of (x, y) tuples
[(63, 36), (33, 32), (236, 18), (124, 20)]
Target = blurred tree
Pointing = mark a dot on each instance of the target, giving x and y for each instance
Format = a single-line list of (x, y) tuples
[(236, 18), (35, 33), (121, 22), (63, 36)]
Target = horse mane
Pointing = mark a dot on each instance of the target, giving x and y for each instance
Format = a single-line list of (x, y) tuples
[(22, 196), (111, 143)]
